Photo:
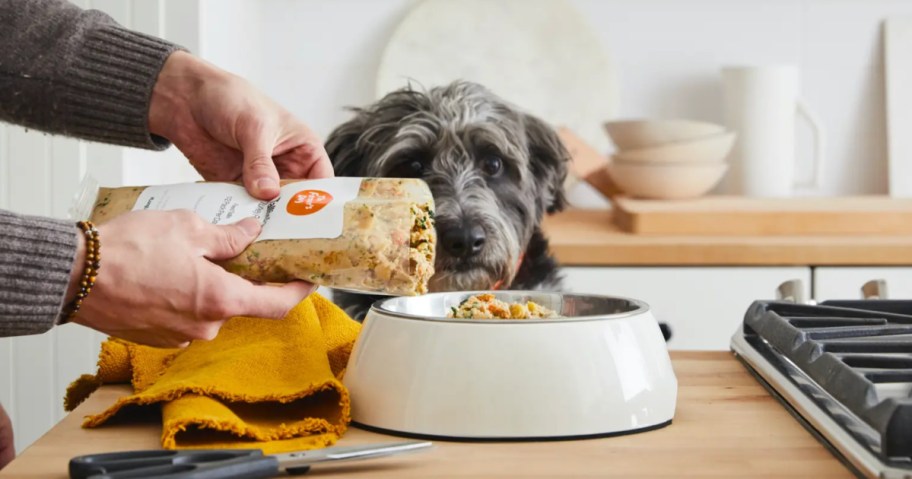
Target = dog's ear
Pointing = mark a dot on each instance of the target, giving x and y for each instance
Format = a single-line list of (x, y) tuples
[(354, 145), (342, 146), (549, 160)]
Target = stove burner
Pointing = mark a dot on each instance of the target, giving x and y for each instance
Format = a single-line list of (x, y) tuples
[(846, 368)]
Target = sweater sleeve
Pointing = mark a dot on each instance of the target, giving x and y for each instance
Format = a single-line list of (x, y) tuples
[(76, 72), (36, 258)]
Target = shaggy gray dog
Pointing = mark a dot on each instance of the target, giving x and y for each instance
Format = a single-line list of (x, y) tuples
[(494, 172)]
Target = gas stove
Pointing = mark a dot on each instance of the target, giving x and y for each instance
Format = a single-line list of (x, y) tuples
[(844, 370)]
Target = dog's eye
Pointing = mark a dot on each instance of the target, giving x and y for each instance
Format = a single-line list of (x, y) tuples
[(492, 165), (416, 167), (408, 169)]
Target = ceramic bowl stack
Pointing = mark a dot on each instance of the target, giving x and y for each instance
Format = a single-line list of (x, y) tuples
[(668, 159)]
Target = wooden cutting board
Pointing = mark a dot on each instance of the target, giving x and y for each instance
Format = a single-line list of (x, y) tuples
[(730, 215), (588, 164)]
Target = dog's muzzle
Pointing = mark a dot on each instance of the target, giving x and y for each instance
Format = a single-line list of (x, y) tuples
[(462, 241)]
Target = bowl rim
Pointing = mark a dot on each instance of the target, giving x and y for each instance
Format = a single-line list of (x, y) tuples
[(668, 165), (641, 308), (704, 141), (660, 122)]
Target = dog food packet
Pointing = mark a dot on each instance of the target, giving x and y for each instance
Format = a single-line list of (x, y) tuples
[(371, 235)]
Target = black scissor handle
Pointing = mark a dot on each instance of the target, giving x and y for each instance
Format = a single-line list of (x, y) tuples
[(185, 464)]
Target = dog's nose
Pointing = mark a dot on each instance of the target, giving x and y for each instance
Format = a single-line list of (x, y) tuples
[(463, 242)]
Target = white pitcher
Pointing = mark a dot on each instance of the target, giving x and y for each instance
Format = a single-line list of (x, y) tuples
[(761, 103)]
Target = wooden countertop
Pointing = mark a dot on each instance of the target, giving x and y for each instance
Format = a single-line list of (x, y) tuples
[(589, 238), (726, 425)]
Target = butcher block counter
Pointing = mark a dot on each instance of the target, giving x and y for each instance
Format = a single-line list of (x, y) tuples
[(726, 425), (590, 238)]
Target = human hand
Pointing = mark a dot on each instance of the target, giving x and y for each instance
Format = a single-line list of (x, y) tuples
[(231, 131), (7, 446), (157, 285)]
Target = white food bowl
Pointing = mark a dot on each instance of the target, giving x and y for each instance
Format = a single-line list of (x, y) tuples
[(664, 180), (633, 134), (704, 150), (602, 370)]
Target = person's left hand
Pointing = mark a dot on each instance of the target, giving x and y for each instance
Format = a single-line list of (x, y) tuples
[(229, 130)]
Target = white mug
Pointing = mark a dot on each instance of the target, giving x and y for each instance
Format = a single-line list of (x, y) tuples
[(761, 104)]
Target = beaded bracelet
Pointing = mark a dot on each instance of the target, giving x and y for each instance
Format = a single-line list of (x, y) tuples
[(92, 265)]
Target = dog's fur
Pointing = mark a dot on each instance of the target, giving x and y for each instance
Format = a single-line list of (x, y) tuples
[(454, 137)]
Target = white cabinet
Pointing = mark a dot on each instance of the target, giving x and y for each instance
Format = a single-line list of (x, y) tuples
[(846, 282), (702, 305)]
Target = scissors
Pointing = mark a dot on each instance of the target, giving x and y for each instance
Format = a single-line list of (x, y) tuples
[(223, 463)]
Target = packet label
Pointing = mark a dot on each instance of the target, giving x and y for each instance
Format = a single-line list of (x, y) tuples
[(306, 209)]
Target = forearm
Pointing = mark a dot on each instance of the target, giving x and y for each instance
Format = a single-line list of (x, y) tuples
[(36, 263), (77, 72)]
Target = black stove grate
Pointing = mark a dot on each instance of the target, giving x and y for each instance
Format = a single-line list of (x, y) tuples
[(856, 363)]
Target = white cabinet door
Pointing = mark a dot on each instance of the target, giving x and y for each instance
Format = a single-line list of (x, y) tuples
[(703, 305), (846, 282)]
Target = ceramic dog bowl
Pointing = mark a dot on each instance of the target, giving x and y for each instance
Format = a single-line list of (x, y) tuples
[(704, 150), (602, 370), (665, 180), (634, 134)]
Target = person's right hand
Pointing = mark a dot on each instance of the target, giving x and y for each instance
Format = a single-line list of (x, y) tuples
[(157, 286), (229, 130)]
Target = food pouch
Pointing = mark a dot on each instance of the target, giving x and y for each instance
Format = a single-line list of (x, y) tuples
[(371, 235)]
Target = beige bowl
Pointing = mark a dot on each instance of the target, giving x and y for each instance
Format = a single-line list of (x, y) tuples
[(709, 149), (633, 134), (666, 181)]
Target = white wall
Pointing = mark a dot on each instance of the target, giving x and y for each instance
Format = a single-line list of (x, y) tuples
[(318, 55)]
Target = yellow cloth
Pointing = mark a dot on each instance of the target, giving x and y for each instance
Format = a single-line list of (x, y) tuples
[(261, 383)]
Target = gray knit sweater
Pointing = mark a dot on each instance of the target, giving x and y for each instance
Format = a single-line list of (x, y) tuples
[(73, 72)]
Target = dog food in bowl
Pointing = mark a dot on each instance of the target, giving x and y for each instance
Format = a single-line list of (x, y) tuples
[(486, 306), (366, 234)]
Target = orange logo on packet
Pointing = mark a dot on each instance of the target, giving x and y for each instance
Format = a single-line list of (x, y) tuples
[(308, 202)]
